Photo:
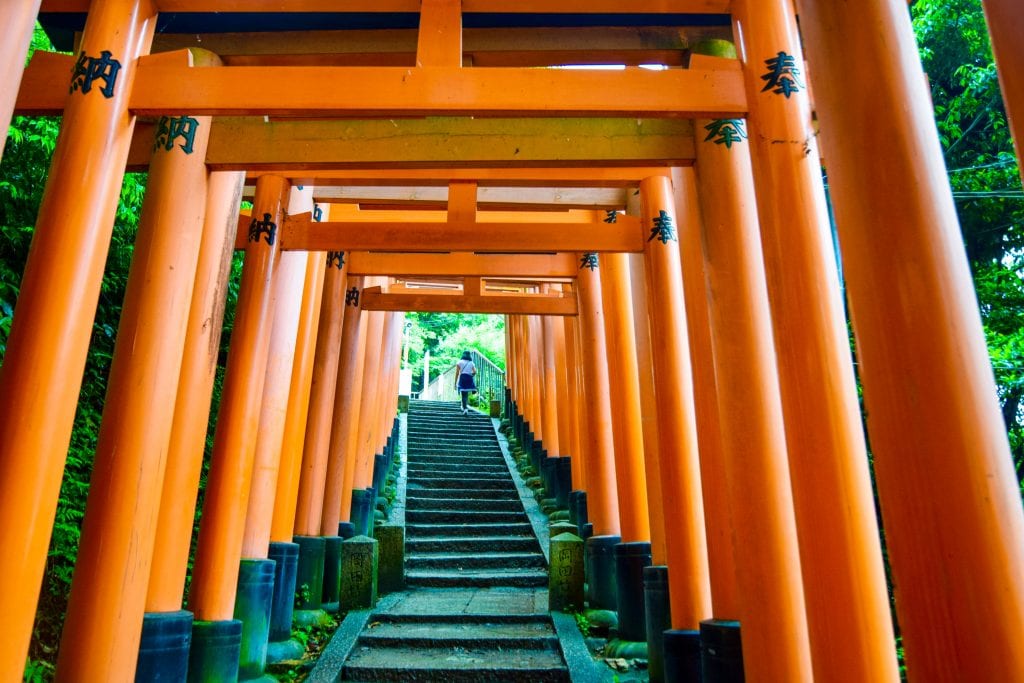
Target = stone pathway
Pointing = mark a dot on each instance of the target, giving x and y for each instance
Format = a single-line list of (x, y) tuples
[(476, 608)]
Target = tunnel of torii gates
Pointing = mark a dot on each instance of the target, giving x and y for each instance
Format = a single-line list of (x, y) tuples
[(659, 241)]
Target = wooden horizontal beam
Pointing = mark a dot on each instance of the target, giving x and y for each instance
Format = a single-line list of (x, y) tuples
[(462, 264), (468, 6), (488, 198), (302, 234), (573, 176), (256, 145), (373, 299), (166, 85), (160, 89), (481, 47)]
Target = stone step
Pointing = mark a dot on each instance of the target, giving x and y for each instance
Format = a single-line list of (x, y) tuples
[(477, 578), (464, 530), (485, 504), (459, 561), (451, 436), (476, 448), (430, 475), (453, 466), (479, 544), (470, 477), (463, 517), (529, 635), (452, 482), (487, 459), (482, 456), (456, 664), (455, 494)]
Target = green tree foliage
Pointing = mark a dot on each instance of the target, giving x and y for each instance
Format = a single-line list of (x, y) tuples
[(447, 335), (984, 175)]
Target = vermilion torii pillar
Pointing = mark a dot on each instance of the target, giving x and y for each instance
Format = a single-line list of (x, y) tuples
[(1005, 20), (321, 404), (949, 496), (283, 523), (374, 325), (725, 601), (574, 365), (345, 418), (549, 386), (219, 549), (46, 351), (101, 632), (840, 551), (645, 362), (624, 394), (288, 289), (19, 21), (680, 468), (599, 447), (195, 389), (760, 504)]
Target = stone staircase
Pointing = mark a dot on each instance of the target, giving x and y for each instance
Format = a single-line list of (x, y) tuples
[(476, 608)]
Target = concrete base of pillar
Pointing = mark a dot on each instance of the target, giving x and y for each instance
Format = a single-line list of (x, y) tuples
[(682, 656), (252, 607), (286, 557), (600, 566), (163, 650), (721, 651), (216, 647), (332, 573), (659, 619), (309, 580), (630, 560)]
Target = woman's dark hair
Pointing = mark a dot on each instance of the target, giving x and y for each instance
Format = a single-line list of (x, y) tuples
[(466, 356)]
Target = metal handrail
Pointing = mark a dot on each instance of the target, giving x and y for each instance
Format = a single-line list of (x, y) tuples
[(490, 381)]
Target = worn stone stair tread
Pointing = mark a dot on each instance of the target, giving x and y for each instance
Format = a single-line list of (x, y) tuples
[(440, 483), (455, 658), (535, 633), (471, 544), (420, 530), (477, 560), (470, 504), (455, 469), (477, 577), (497, 493), (464, 516)]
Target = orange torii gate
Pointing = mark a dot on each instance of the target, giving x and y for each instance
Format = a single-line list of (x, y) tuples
[(793, 489)]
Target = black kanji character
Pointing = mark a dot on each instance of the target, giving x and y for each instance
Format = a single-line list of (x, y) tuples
[(664, 229), (170, 128), (336, 258), (726, 132), (266, 227), (783, 77), (589, 260), (88, 69)]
